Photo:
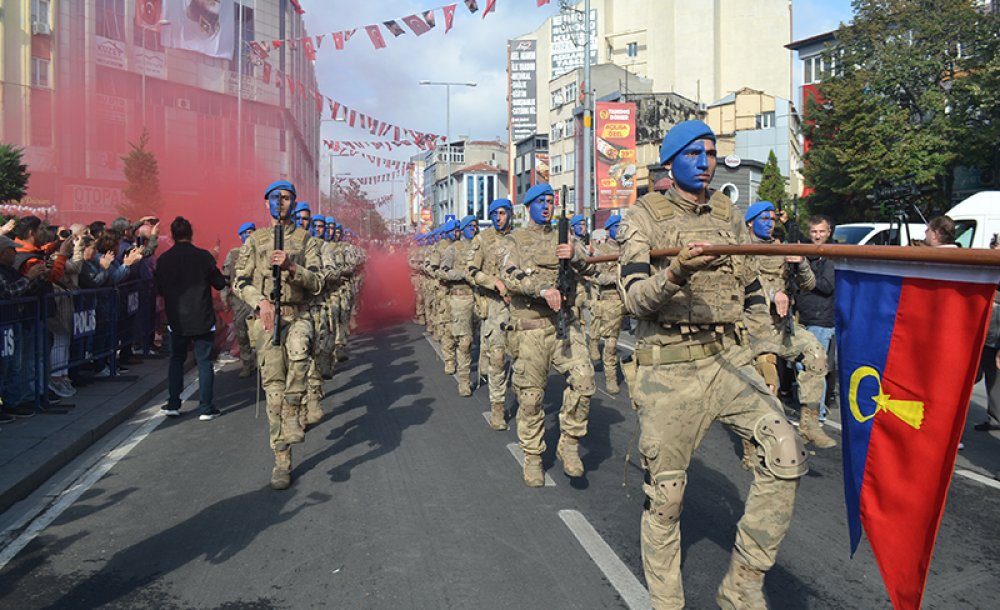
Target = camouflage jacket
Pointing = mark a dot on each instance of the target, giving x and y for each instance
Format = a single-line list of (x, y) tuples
[(253, 268)]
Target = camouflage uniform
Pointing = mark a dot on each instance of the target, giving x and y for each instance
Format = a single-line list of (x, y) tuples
[(283, 367), (694, 366), (442, 314), (801, 347), (460, 305), (415, 260), (241, 313), (607, 313), (528, 267), (484, 272)]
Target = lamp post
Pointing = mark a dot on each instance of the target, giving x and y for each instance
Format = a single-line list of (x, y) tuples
[(448, 86), (145, 59), (321, 121)]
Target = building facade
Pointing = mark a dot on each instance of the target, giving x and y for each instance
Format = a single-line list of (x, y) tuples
[(82, 80), (478, 176)]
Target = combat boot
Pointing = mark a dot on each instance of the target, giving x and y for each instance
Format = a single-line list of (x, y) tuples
[(612, 385), (449, 368), (314, 412), (742, 588), (498, 416), (247, 371), (533, 475), (568, 452), (291, 427), (281, 475), (811, 431), (463, 388)]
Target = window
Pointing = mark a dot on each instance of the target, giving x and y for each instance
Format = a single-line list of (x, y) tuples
[(248, 34), (40, 11), (470, 195), (110, 19), (570, 127), (40, 72), (556, 164), (765, 120), (572, 90), (633, 49), (570, 161), (611, 52), (557, 131), (557, 98), (518, 164), (816, 68)]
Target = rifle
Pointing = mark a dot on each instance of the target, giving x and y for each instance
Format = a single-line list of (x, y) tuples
[(563, 283), (279, 244)]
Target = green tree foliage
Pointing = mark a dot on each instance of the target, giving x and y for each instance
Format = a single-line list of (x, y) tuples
[(13, 174), (772, 183), (912, 92), (143, 175)]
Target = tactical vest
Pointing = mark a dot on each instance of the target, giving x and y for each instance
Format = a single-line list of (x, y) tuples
[(536, 246), (295, 247), (711, 296)]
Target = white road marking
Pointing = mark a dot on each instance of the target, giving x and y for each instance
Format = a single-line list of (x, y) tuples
[(979, 478), (621, 578), (515, 450), (147, 420)]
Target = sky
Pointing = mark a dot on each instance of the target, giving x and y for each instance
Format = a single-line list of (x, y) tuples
[(384, 83)]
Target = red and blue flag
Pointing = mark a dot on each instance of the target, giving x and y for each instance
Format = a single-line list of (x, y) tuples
[(909, 337)]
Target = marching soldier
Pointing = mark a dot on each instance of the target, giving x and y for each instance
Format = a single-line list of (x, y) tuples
[(607, 310), (241, 311), (284, 366), (695, 366), (484, 272), (461, 302), (530, 272)]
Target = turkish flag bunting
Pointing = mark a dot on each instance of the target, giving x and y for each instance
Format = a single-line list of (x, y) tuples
[(266, 76), (258, 49), (319, 40), (418, 25), (310, 50), (319, 102), (373, 32), (349, 33), (396, 29), (334, 109), (338, 40), (449, 16), (277, 43), (473, 7), (351, 119), (298, 7), (302, 88), (542, 2), (293, 45), (491, 6), (395, 134), (291, 84)]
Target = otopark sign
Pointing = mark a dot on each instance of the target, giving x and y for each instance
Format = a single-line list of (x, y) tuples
[(614, 156)]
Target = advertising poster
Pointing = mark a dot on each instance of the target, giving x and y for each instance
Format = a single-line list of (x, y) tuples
[(203, 26), (523, 88), (614, 140), (541, 170)]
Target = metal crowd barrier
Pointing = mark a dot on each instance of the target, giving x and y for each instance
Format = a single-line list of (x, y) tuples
[(91, 325)]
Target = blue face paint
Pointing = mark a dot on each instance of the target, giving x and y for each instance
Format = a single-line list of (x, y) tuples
[(244, 235), (470, 230), (579, 229), (495, 217), (537, 210), (763, 225), (613, 232), (693, 167)]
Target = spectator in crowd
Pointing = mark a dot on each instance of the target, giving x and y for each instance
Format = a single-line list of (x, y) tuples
[(102, 270), (60, 317), (941, 232), (14, 392), (33, 248), (185, 276), (8, 226), (816, 306)]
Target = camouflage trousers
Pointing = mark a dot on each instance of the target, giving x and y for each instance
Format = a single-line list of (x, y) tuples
[(493, 342), (418, 294), (284, 370), (606, 323), (676, 405), (457, 342), (321, 355), (241, 314), (804, 350), (535, 352)]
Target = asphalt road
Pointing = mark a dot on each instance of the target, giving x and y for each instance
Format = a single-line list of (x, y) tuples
[(403, 497)]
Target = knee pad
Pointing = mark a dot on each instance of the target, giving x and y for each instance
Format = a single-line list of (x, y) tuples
[(665, 496), (581, 379), (497, 356), (814, 361), (529, 401), (785, 455)]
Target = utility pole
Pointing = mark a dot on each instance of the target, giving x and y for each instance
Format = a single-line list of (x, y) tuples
[(586, 179)]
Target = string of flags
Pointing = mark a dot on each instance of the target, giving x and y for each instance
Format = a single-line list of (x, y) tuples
[(419, 23), (370, 180), (378, 161), (347, 147)]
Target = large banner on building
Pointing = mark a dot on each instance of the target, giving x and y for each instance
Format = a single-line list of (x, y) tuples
[(203, 26), (614, 142), (568, 37), (523, 88)]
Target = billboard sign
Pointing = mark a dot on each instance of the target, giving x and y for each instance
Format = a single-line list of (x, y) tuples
[(568, 32), (523, 88), (614, 141), (204, 26)]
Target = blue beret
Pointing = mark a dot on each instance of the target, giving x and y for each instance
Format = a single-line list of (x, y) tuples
[(302, 206), (757, 209), (682, 134), (612, 221), (500, 203), (577, 219), (539, 190), (330, 220), (246, 226), (279, 184), (468, 220), (317, 218)]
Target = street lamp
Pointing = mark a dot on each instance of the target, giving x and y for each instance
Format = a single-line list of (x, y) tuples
[(448, 86), (145, 59), (333, 120)]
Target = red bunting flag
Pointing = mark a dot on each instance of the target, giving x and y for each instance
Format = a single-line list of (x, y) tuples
[(373, 32), (418, 25), (319, 102), (319, 40), (542, 2), (334, 109), (258, 49), (266, 73), (473, 6), (302, 89), (490, 6), (449, 16), (293, 45), (307, 45), (338, 40), (298, 7), (277, 43), (351, 119), (395, 134), (291, 84), (349, 33), (396, 29)]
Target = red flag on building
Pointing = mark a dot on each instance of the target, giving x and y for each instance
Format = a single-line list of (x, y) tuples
[(396, 29), (319, 102), (418, 25), (338, 40), (307, 46), (291, 84), (302, 89), (490, 6), (449, 16), (293, 45), (277, 43), (373, 32), (473, 6), (266, 73), (258, 49), (148, 14), (298, 7)]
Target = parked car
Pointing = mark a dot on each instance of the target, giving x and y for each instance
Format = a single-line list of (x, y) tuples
[(877, 233), (977, 219)]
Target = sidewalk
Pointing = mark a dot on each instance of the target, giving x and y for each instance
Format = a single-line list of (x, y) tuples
[(32, 450)]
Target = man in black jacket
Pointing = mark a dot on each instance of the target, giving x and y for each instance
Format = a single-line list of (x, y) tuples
[(185, 276), (816, 307)]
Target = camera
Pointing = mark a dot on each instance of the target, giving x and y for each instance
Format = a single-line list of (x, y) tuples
[(65, 234)]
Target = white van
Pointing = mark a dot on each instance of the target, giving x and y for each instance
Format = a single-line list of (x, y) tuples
[(977, 219), (877, 234)]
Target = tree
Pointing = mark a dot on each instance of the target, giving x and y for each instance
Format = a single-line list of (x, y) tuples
[(909, 93), (772, 183), (353, 209), (143, 175), (13, 174)]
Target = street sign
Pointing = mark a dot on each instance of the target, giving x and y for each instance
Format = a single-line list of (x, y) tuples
[(448, 217)]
